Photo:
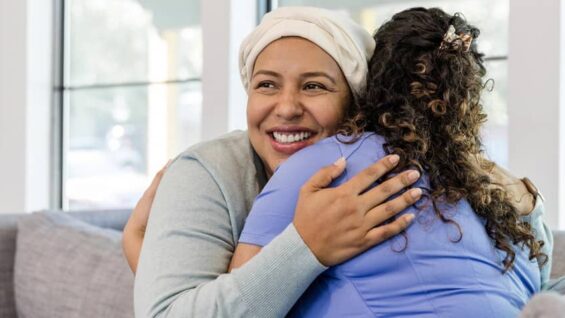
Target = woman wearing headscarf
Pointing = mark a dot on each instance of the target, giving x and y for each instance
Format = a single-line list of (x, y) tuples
[(318, 61)]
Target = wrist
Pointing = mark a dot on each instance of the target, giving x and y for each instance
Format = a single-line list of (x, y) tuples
[(309, 243)]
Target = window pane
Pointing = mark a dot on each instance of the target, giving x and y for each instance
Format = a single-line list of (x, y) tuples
[(490, 16), (117, 139), (117, 41)]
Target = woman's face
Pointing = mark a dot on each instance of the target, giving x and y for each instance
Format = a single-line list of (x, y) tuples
[(297, 96)]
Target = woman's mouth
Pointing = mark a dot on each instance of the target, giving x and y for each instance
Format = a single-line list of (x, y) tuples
[(289, 142), (288, 138)]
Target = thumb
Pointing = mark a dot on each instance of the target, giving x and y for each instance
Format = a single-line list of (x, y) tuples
[(326, 175)]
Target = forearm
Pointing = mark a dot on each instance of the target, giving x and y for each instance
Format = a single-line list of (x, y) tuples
[(134, 231), (268, 285), (273, 280), (187, 249), (131, 243)]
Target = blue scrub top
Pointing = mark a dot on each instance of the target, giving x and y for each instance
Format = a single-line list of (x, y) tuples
[(426, 273)]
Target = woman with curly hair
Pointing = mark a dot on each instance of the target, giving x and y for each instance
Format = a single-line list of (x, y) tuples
[(468, 253)]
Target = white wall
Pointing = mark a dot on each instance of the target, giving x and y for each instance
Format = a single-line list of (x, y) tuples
[(243, 19), (25, 59), (215, 82), (224, 25), (534, 99), (12, 104)]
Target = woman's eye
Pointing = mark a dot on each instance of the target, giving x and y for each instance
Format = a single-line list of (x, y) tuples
[(311, 86), (265, 85)]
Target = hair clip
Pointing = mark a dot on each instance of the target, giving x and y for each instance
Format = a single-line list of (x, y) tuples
[(453, 41)]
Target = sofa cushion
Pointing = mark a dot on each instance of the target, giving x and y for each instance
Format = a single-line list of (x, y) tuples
[(67, 268)]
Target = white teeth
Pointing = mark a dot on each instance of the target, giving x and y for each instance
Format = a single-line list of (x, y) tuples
[(287, 138)]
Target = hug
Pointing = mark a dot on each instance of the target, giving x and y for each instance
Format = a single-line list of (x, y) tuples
[(360, 189)]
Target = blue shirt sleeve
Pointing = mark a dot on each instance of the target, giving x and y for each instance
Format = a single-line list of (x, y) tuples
[(273, 209)]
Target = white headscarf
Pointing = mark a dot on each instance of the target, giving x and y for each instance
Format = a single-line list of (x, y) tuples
[(337, 34)]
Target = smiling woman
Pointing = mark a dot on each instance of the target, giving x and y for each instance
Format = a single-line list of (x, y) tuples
[(297, 96)]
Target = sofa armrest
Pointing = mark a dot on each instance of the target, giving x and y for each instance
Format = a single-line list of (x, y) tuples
[(558, 266), (8, 232), (109, 219)]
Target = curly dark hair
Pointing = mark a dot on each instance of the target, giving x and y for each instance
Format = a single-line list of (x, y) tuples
[(423, 97)]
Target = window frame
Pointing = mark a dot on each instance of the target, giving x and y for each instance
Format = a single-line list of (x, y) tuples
[(61, 107)]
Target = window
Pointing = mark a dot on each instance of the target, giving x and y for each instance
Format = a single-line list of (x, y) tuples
[(490, 16), (130, 95)]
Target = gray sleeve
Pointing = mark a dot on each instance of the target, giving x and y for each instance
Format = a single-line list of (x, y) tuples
[(542, 232), (187, 249)]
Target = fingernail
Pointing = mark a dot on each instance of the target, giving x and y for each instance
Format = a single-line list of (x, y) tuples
[(416, 193), (393, 159), (409, 217), (340, 162), (413, 175)]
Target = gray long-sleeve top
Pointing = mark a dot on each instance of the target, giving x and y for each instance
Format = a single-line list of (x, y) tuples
[(197, 216), (196, 219)]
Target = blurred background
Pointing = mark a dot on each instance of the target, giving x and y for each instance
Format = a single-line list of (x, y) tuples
[(97, 95)]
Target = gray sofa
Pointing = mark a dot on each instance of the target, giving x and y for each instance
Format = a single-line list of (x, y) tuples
[(55, 264)]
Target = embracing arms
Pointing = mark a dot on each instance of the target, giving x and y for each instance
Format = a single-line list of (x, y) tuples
[(193, 241), (347, 195), (528, 205), (190, 240)]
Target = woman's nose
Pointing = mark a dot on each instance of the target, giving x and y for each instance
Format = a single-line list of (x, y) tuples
[(289, 106)]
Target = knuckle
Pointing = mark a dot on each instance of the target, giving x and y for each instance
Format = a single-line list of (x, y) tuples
[(390, 208), (404, 200), (361, 207), (399, 226), (360, 241), (378, 237), (387, 232), (406, 179), (408, 198), (326, 178), (374, 170), (328, 169), (386, 163), (385, 188), (342, 195), (348, 209), (405, 223), (360, 225)]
